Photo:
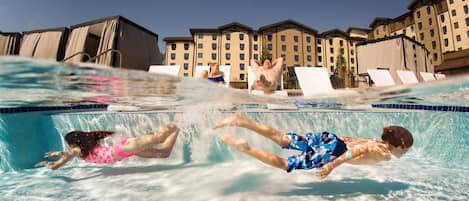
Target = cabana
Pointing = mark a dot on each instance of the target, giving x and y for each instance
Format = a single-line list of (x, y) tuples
[(9, 43), (113, 41), (393, 53), (44, 43)]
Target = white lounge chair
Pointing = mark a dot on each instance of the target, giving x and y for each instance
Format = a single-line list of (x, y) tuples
[(315, 80), (426, 76), (381, 78), (166, 70), (407, 77), (199, 70), (252, 77), (226, 70), (440, 76)]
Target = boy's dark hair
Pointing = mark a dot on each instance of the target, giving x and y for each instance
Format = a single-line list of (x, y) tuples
[(87, 141), (397, 136)]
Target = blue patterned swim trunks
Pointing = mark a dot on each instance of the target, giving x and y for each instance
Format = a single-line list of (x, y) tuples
[(317, 150)]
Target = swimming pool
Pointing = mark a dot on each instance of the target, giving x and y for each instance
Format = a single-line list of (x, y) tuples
[(203, 168)]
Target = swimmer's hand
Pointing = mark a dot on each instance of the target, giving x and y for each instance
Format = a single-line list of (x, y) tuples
[(42, 163), (324, 171), (52, 154)]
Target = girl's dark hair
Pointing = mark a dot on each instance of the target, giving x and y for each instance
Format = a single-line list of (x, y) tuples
[(397, 136), (87, 141)]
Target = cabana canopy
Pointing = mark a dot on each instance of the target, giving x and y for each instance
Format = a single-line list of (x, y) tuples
[(393, 53), (113, 41), (9, 43), (44, 43)]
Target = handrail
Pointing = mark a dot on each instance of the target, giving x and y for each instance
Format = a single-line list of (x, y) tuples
[(106, 51), (78, 53)]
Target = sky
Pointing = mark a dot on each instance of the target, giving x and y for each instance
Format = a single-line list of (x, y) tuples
[(175, 17)]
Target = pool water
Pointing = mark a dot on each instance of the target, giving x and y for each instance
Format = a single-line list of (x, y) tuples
[(201, 167)]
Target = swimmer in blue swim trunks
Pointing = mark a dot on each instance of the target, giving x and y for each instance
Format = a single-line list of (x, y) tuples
[(215, 75), (323, 151)]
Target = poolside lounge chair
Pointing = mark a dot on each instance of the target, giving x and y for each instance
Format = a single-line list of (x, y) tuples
[(440, 76), (252, 77), (226, 71), (166, 70), (315, 80), (407, 77), (199, 70), (381, 78), (426, 76)]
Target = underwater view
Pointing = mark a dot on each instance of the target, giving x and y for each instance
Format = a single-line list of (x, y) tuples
[(41, 101)]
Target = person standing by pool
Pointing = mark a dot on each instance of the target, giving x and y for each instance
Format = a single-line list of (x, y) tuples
[(322, 150), (267, 75), (87, 146), (214, 74)]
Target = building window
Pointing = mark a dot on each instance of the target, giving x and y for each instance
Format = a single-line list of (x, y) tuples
[(227, 46), (284, 48), (465, 9), (419, 25), (428, 10), (241, 46), (444, 30), (200, 45), (308, 48), (351, 52), (412, 28), (453, 12), (330, 41), (332, 50), (186, 66), (418, 14), (468, 34), (269, 56), (297, 58), (214, 36), (256, 47), (269, 37), (421, 36), (308, 57), (227, 64), (456, 25), (435, 56), (341, 42), (173, 46), (172, 64), (241, 56), (434, 44), (467, 21), (442, 17), (352, 60), (241, 66), (458, 38), (186, 56), (451, 1), (283, 55), (214, 56), (256, 56), (295, 38), (308, 39), (228, 36), (241, 36), (342, 51), (199, 64), (332, 59), (173, 55), (228, 56), (432, 32), (200, 36), (430, 21), (319, 58), (255, 37), (241, 76), (186, 46), (282, 37), (446, 42), (295, 48), (319, 49), (214, 46), (200, 55), (186, 74), (269, 46), (318, 41)]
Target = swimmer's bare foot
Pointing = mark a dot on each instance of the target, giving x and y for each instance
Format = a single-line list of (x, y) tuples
[(239, 144), (233, 120)]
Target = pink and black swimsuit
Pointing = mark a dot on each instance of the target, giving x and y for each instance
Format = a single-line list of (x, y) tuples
[(103, 154)]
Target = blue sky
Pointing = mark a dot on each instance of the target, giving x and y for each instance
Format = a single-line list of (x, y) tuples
[(175, 17)]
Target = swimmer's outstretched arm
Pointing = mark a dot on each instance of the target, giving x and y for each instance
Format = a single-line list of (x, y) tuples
[(352, 153), (65, 157)]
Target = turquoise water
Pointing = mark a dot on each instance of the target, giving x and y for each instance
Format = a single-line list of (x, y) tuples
[(201, 167)]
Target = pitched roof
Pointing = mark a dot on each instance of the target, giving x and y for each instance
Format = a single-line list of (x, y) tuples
[(288, 22), (178, 38), (379, 21), (234, 25), (334, 32)]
